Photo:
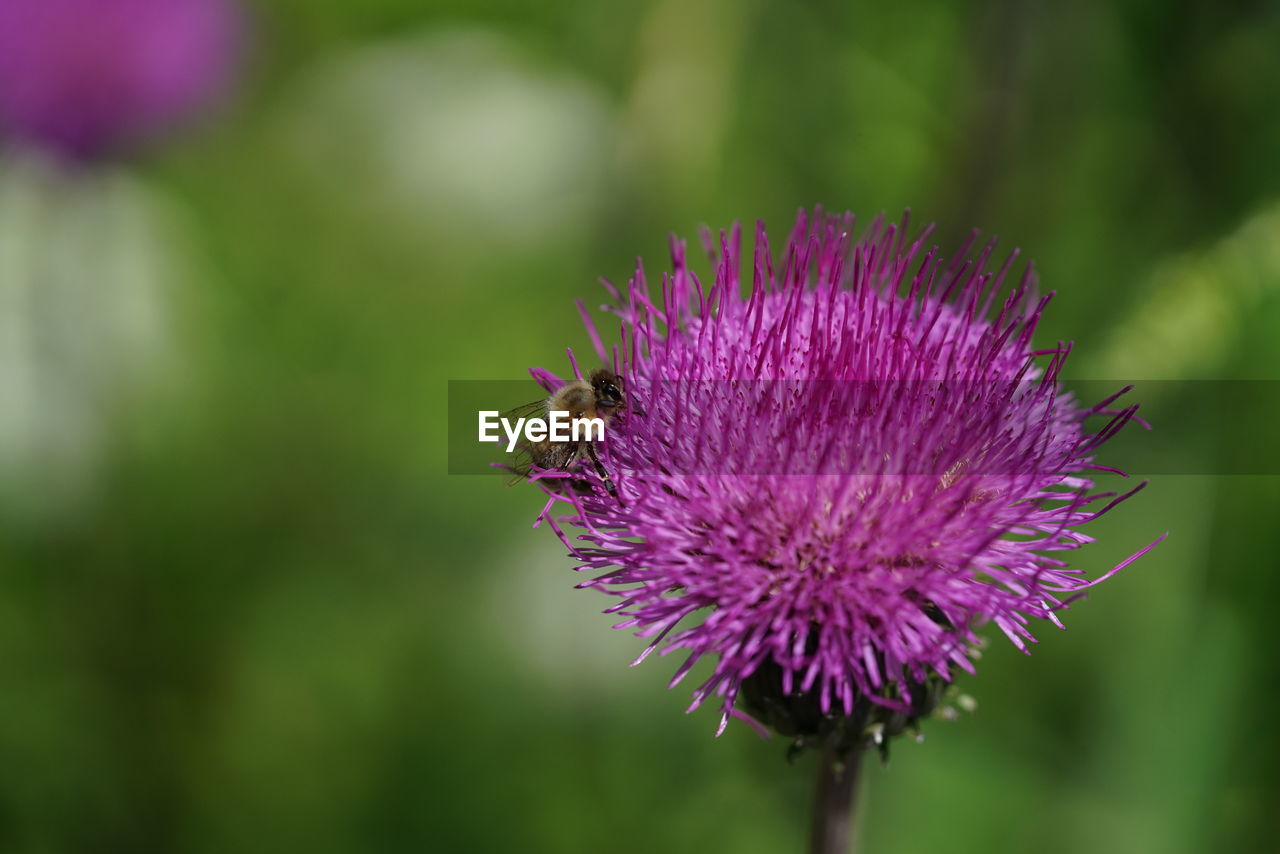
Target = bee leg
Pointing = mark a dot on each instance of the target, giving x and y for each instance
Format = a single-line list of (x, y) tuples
[(600, 470)]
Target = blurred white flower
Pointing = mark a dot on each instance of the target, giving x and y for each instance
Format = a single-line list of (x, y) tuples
[(86, 322), (552, 626), (458, 132), (1194, 304)]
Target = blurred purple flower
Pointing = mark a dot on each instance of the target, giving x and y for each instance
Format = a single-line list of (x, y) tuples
[(89, 77), (829, 484)]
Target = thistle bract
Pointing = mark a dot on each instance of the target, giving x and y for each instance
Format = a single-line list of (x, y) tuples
[(833, 468)]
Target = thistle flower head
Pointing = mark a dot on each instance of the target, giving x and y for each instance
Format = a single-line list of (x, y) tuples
[(86, 77), (828, 484)]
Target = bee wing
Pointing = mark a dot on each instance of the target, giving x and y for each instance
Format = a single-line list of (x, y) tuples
[(542, 456), (537, 407), (539, 455), (522, 465)]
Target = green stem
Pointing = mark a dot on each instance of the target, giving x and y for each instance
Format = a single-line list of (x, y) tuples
[(834, 801)]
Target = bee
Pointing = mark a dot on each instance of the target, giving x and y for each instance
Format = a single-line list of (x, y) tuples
[(598, 396)]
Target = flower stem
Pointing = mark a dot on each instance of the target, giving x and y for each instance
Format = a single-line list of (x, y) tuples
[(834, 801)]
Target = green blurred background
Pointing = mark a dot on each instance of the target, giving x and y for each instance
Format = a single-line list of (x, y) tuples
[(242, 606)]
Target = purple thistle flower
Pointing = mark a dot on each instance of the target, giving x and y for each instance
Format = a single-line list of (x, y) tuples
[(828, 485), (87, 77)]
